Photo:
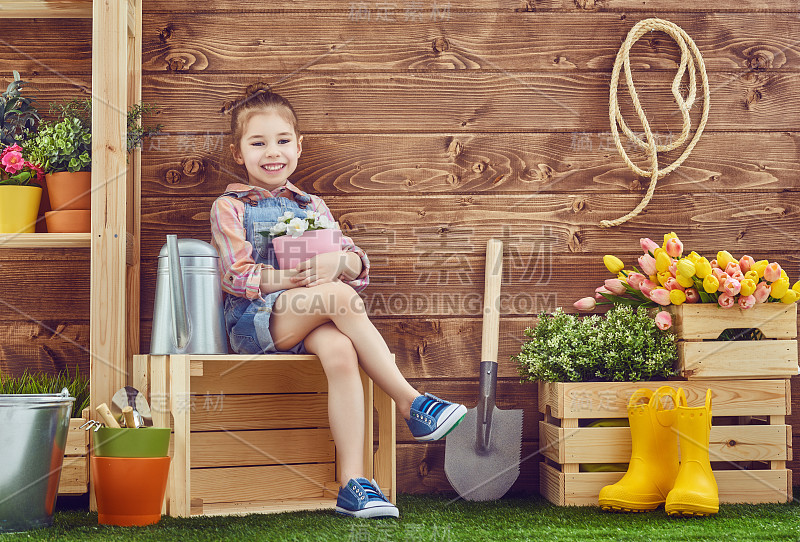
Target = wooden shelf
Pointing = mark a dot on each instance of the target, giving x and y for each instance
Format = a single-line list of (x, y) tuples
[(45, 240), (79, 9)]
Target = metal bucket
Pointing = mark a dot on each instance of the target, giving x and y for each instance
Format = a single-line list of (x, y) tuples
[(33, 435)]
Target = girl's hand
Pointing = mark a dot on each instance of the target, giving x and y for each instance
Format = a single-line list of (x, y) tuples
[(321, 268)]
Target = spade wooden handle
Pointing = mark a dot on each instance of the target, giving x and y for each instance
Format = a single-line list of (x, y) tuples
[(130, 419), (105, 413)]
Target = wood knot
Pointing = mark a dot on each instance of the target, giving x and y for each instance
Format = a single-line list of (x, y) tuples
[(528, 5), (574, 242), (423, 468), (753, 97), (408, 182), (478, 167), (440, 45), (758, 62), (455, 148), (165, 33), (636, 185), (452, 179), (731, 443), (175, 64), (192, 167), (173, 176), (585, 4), (578, 204)]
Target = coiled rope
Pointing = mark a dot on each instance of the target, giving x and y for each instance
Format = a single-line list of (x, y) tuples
[(688, 59)]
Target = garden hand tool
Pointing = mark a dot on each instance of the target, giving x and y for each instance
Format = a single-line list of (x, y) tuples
[(654, 455), (105, 413), (695, 491), (130, 396), (482, 454)]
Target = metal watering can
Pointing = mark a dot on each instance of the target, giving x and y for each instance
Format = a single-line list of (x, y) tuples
[(188, 316)]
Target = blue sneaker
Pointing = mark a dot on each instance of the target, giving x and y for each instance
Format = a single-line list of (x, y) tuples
[(432, 418), (361, 498)]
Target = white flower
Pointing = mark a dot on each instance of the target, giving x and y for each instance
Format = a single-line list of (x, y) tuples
[(278, 229), (324, 222), (296, 227), (287, 216), (312, 215)]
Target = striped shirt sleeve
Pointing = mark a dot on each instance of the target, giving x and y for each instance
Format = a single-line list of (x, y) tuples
[(241, 275), (362, 280)]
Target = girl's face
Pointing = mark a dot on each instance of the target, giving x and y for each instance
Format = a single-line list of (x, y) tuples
[(269, 150)]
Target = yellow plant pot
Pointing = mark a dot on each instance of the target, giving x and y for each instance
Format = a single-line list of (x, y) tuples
[(19, 206)]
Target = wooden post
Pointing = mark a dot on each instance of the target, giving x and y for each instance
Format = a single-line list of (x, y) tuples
[(107, 330)]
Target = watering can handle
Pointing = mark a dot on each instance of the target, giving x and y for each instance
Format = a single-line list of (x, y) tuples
[(180, 320)]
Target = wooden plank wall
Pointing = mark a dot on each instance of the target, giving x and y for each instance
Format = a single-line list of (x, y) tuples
[(429, 128)]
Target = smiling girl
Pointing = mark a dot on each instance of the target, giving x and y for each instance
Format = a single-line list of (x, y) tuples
[(314, 308)]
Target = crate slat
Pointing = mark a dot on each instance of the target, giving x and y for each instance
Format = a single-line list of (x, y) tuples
[(735, 486), (246, 484), (613, 444), (737, 359), (255, 374), (74, 475), (610, 399), (701, 321)]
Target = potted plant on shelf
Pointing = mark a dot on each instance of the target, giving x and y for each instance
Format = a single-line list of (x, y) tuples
[(63, 150), (20, 191), (18, 115), (296, 239)]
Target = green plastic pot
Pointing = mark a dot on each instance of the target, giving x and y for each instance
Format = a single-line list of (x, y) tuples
[(129, 442)]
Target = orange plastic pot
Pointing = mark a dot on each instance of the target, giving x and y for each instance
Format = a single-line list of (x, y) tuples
[(69, 190), (129, 490), (71, 221)]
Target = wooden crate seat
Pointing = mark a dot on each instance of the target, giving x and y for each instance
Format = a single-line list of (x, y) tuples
[(251, 433)]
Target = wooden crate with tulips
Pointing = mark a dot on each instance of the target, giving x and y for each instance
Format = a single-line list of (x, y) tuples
[(735, 333)]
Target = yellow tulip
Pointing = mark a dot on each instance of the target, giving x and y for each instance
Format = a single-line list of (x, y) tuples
[(779, 288), (759, 267), (613, 263), (710, 284), (724, 258), (686, 268), (686, 282), (796, 286), (784, 275), (677, 297), (663, 261), (752, 275), (653, 279), (790, 297), (748, 287), (694, 257), (664, 277), (702, 268)]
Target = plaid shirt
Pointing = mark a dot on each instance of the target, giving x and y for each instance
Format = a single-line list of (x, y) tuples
[(241, 275)]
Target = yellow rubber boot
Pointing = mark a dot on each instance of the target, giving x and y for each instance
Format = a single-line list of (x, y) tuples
[(654, 454), (695, 492)]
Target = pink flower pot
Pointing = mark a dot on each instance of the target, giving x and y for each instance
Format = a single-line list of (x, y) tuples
[(290, 251)]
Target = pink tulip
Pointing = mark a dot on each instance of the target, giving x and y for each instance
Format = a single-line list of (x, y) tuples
[(672, 284), (673, 269), (585, 304), (714, 264), (674, 247), (648, 245), (762, 292), (745, 263), (732, 287), (692, 296), (725, 301), (772, 272), (599, 291), (648, 264), (635, 280), (648, 286), (738, 276), (615, 286), (733, 268), (660, 296), (663, 320), (747, 301)]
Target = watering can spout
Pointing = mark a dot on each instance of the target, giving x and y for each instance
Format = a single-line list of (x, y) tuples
[(180, 318)]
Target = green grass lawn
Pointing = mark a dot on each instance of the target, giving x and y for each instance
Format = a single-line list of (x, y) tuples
[(436, 518)]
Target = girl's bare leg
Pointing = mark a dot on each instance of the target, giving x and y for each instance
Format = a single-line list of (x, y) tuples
[(300, 310), (345, 397)]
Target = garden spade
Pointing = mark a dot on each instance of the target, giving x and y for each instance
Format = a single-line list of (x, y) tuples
[(130, 396), (482, 454)]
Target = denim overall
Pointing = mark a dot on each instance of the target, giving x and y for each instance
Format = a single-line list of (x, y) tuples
[(247, 320)]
